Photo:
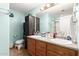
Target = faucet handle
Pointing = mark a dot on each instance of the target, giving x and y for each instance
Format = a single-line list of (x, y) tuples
[(69, 38)]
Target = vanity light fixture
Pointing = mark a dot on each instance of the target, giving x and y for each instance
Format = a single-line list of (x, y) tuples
[(46, 6)]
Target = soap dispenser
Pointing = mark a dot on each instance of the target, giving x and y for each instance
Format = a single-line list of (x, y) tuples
[(54, 35)]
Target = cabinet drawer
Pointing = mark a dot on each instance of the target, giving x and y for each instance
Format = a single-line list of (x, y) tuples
[(31, 46), (40, 48), (52, 53), (60, 50), (31, 52), (40, 52), (40, 44), (78, 52), (31, 41)]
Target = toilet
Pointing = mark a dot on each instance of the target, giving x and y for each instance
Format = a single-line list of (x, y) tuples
[(19, 44)]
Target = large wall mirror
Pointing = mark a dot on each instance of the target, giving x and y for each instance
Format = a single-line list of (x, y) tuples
[(59, 18)]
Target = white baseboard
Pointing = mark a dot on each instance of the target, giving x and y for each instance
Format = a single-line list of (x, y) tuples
[(11, 45)]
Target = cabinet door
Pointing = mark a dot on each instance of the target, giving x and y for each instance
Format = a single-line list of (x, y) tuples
[(78, 53), (37, 24), (31, 46), (26, 25), (54, 50), (40, 48), (31, 25)]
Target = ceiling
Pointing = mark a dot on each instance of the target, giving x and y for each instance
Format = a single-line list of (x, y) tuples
[(23, 7), (55, 10)]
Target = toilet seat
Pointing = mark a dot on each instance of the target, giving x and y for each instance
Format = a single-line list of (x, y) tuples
[(19, 41), (19, 44)]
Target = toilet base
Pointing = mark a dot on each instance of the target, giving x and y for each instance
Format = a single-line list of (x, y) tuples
[(18, 46)]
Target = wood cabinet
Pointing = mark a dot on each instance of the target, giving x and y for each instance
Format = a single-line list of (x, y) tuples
[(40, 48), (55, 50), (30, 26), (78, 52), (31, 46), (37, 24)]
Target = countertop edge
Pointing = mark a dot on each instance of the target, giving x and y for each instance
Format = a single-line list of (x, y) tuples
[(54, 43)]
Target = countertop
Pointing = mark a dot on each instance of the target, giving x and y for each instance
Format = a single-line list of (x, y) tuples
[(57, 41)]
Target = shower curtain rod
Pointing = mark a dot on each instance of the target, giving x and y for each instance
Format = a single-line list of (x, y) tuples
[(4, 11)]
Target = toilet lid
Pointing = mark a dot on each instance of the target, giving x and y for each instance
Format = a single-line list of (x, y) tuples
[(19, 41)]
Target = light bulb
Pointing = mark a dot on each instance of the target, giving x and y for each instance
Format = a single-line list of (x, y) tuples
[(42, 8), (48, 5)]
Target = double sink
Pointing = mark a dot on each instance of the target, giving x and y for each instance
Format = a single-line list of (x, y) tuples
[(54, 40)]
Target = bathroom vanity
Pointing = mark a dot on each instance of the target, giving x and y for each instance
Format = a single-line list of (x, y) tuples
[(39, 46)]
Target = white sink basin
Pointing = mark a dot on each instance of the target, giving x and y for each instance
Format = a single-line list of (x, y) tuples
[(61, 41), (38, 37)]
